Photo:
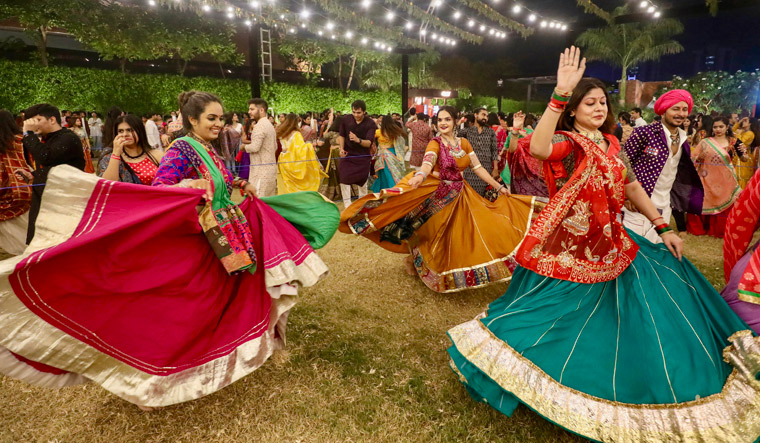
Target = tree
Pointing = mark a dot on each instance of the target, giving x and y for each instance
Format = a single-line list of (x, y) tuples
[(721, 91), (310, 54), (39, 16), (127, 32), (629, 44)]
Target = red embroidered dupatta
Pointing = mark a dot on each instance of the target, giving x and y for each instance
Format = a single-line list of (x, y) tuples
[(742, 222), (579, 236)]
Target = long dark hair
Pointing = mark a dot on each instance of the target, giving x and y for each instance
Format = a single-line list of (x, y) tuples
[(108, 127), (8, 130), (567, 123), (138, 128), (391, 129), (754, 126)]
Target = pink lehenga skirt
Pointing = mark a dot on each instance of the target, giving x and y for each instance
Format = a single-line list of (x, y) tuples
[(120, 287)]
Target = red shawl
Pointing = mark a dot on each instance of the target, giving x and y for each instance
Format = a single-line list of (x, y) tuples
[(579, 236), (742, 222)]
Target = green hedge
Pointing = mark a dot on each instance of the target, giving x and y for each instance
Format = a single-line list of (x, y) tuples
[(26, 83)]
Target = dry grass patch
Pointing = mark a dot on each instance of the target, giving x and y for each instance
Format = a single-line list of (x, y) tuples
[(366, 361)]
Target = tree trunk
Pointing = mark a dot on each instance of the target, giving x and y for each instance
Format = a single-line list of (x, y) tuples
[(351, 75), (123, 64), (340, 73), (181, 66), (42, 46), (623, 85)]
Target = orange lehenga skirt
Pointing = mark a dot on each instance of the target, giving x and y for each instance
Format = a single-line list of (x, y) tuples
[(468, 243)]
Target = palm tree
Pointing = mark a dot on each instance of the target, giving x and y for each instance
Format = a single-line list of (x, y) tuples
[(629, 44)]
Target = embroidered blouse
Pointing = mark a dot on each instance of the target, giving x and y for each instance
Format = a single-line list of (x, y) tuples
[(176, 167), (433, 149)]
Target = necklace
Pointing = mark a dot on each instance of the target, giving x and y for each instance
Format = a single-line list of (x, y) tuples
[(595, 136), (142, 152), (455, 149)]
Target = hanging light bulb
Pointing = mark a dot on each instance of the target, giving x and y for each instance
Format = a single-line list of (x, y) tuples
[(457, 14), (482, 28), (152, 2), (532, 18), (643, 4), (330, 25), (389, 16), (434, 36), (423, 32), (516, 9), (206, 8), (254, 4), (349, 35), (364, 40), (230, 15), (657, 14), (544, 24), (409, 25), (650, 9), (248, 23), (366, 4), (471, 23), (305, 13)]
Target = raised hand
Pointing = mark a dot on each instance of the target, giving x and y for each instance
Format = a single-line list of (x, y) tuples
[(571, 69), (518, 121)]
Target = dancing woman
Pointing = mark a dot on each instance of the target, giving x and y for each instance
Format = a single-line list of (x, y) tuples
[(131, 160), (389, 165), (457, 239), (741, 265), (298, 165), (185, 308), (712, 158), (602, 332)]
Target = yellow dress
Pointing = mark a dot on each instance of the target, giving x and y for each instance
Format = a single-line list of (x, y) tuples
[(298, 166), (745, 170), (467, 243)]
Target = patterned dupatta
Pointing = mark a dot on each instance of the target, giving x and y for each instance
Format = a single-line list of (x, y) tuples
[(223, 223), (579, 236), (743, 220)]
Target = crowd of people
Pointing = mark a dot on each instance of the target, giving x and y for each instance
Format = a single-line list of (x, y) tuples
[(606, 329)]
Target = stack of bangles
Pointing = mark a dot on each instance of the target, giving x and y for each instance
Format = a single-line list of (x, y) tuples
[(424, 176), (242, 184), (559, 100), (662, 228)]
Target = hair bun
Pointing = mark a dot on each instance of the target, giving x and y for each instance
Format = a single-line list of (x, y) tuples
[(184, 97)]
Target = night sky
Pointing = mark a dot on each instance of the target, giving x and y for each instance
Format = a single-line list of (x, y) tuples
[(732, 37)]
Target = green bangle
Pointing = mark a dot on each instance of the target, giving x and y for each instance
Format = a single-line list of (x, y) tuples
[(661, 231), (560, 98)]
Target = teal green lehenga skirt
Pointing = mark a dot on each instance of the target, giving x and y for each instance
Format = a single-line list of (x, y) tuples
[(638, 358)]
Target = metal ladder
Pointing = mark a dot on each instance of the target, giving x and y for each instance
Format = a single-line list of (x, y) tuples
[(424, 25), (266, 55)]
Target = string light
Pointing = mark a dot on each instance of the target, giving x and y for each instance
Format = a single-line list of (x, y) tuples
[(349, 34), (471, 23), (206, 8), (330, 25), (248, 23), (364, 40), (152, 2), (305, 13), (532, 18), (543, 24), (389, 16), (254, 4), (516, 9), (409, 25), (366, 4), (457, 14)]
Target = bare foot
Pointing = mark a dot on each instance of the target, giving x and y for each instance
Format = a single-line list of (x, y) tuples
[(409, 265), (146, 408)]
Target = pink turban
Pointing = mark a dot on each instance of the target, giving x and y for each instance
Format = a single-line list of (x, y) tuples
[(672, 98)]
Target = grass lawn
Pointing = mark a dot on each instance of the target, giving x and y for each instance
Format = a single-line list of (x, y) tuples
[(365, 361)]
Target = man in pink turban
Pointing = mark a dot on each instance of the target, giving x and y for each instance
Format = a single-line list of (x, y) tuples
[(661, 159), (672, 98)]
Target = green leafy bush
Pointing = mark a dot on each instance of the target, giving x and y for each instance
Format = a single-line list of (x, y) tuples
[(26, 83)]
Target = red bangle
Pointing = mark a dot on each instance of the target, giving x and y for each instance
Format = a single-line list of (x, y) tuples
[(115, 157)]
